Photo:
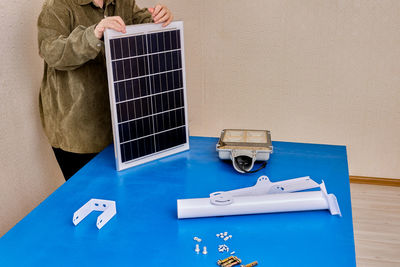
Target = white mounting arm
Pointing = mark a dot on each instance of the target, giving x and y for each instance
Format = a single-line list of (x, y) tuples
[(264, 197), (263, 186), (107, 206)]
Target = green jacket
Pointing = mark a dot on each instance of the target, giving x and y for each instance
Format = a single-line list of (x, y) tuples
[(73, 101)]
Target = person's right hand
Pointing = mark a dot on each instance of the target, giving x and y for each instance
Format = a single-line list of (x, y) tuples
[(115, 23)]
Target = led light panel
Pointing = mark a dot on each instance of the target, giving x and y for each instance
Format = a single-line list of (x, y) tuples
[(146, 78)]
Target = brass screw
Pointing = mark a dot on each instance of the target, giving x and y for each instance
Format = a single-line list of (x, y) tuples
[(234, 261), (228, 263), (232, 264), (220, 262), (254, 263)]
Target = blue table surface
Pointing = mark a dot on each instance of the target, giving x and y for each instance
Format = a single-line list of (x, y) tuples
[(146, 232)]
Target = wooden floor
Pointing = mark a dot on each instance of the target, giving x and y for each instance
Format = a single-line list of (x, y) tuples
[(376, 216)]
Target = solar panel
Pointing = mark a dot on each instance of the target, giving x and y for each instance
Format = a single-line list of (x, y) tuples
[(147, 87)]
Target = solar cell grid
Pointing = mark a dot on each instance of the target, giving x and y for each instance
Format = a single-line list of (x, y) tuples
[(149, 92)]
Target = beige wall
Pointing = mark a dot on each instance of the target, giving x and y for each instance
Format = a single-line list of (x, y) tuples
[(28, 170), (310, 71)]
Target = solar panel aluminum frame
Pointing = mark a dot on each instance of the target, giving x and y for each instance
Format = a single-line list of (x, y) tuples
[(133, 30)]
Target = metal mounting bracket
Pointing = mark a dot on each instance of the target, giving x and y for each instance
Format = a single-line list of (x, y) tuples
[(264, 197), (264, 186), (108, 207)]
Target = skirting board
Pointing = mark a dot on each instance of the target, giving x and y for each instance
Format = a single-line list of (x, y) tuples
[(374, 181)]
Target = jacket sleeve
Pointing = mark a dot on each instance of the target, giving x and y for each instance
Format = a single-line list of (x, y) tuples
[(141, 15), (62, 47)]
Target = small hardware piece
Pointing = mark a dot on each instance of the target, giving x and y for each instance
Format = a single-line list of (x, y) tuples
[(225, 233), (217, 235), (197, 249), (254, 263), (108, 207), (231, 261), (220, 262), (197, 239), (226, 238), (233, 252), (222, 248), (205, 250)]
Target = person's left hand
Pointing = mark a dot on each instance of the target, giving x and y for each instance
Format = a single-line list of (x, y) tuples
[(160, 14)]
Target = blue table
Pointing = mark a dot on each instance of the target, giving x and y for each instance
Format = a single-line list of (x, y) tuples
[(146, 232)]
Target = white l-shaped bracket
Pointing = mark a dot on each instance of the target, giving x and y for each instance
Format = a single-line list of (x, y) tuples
[(108, 207)]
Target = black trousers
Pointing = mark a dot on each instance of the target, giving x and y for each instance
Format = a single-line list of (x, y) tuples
[(70, 162)]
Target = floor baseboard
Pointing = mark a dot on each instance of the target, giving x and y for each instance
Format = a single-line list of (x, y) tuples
[(374, 181)]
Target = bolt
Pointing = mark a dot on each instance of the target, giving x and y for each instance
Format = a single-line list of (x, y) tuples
[(204, 250), (197, 249)]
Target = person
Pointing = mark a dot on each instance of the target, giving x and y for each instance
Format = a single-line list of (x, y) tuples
[(73, 100)]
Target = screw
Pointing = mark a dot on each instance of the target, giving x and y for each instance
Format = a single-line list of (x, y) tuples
[(204, 250), (197, 249), (219, 262), (234, 261), (254, 263)]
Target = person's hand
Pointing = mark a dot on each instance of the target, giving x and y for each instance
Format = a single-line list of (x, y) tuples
[(115, 23), (160, 14)]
